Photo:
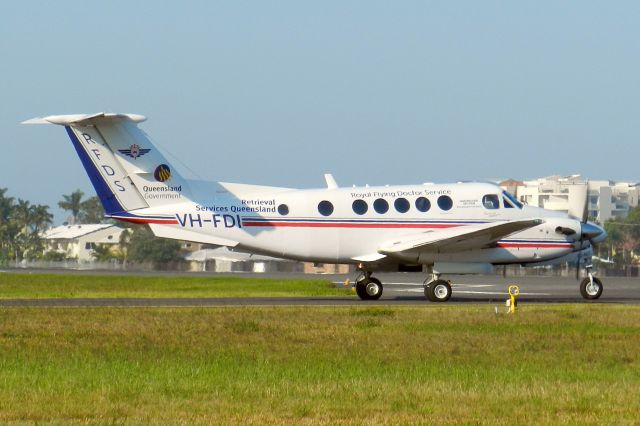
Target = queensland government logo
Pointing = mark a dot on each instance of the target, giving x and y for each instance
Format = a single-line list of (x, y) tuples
[(134, 151), (162, 173)]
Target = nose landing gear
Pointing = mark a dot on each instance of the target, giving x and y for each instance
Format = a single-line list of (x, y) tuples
[(591, 287)]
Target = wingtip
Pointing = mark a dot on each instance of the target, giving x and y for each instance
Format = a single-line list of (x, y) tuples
[(36, 120)]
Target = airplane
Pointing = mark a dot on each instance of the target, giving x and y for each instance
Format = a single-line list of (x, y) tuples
[(438, 228)]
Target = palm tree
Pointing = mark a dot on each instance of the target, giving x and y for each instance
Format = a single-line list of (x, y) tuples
[(21, 226), (40, 218), (125, 242), (30, 220), (7, 227), (72, 203), (21, 212), (21, 218), (91, 211)]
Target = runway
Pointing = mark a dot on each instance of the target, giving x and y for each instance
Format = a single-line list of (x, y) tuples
[(399, 289)]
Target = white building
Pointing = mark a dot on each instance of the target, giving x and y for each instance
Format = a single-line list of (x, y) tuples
[(607, 199), (78, 241), (222, 259)]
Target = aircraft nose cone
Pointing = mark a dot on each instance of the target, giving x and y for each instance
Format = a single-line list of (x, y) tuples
[(593, 232)]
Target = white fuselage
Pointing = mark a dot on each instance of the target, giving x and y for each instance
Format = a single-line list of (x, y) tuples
[(324, 225)]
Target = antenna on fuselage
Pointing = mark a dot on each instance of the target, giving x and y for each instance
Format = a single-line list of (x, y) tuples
[(331, 182)]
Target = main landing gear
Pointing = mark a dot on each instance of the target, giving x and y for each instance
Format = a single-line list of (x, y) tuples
[(368, 287), (435, 289), (591, 287)]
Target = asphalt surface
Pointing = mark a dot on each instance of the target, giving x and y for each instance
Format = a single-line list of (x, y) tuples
[(399, 289)]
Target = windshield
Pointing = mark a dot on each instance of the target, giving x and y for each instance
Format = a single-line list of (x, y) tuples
[(510, 198)]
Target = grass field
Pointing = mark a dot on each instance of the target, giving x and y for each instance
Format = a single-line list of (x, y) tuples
[(35, 286), (571, 364)]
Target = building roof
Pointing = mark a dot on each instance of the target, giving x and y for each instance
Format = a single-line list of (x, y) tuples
[(70, 232), (511, 182)]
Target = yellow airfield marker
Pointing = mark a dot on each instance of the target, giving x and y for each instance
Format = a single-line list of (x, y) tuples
[(514, 291)]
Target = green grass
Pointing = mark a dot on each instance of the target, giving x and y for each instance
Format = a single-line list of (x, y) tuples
[(36, 286), (571, 364)]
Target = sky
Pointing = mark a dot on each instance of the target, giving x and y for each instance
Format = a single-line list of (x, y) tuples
[(281, 92)]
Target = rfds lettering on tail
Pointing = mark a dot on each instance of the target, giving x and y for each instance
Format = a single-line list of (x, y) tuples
[(443, 228)]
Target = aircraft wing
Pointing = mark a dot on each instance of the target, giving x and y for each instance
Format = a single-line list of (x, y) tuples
[(457, 239)]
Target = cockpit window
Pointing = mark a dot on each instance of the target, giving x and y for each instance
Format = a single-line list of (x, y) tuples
[(491, 201), (510, 199)]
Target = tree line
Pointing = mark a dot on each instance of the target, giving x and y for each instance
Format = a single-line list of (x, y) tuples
[(22, 227), (623, 239)]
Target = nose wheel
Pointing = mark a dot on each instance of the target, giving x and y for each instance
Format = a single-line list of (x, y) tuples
[(591, 287)]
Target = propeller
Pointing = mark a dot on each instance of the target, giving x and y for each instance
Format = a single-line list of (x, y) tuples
[(588, 231)]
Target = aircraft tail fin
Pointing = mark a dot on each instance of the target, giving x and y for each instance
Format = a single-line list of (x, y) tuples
[(126, 169)]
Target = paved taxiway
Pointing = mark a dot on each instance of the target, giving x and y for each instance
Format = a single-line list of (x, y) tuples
[(399, 289)]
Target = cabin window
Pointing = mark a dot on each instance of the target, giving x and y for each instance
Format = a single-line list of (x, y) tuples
[(360, 207), (402, 205), (283, 209), (325, 208), (491, 201), (423, 204), (381, 206), (445, 202)]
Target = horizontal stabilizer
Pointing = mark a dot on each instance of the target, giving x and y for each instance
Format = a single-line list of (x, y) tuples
[(193, 236), (79, 119)]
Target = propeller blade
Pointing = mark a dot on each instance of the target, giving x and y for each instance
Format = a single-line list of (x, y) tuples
[(585, 209), (578, 265), (579, 206)]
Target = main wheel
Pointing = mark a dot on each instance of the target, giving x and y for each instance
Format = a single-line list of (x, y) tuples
[(438, 291), (361, 290), (369, 289), (591, 291)]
